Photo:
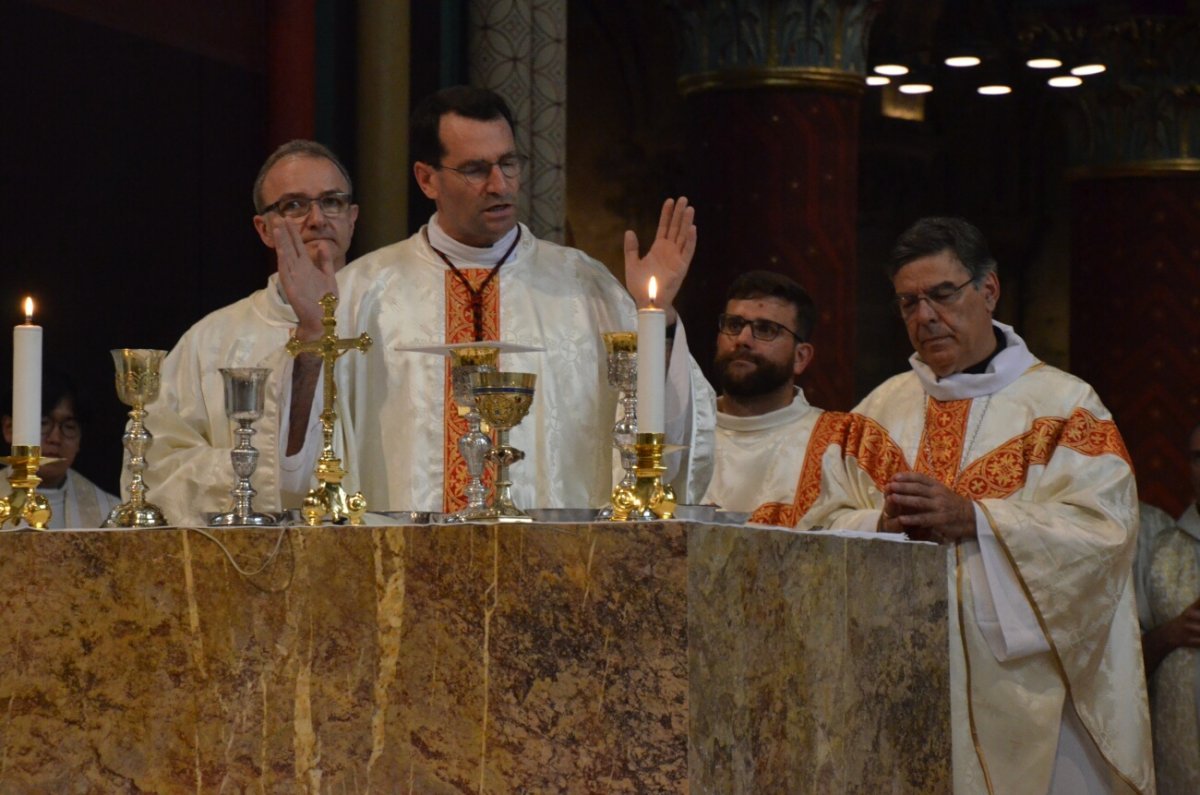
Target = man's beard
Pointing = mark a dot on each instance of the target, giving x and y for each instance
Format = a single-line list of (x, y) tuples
[(766, 377)]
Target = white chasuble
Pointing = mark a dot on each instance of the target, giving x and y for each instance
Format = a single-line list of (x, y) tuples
[(1173, 584), (545, 296), (188, 469), (757, 459), (1052, 655)]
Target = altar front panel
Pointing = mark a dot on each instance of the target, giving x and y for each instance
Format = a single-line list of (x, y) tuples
[(668, 657)]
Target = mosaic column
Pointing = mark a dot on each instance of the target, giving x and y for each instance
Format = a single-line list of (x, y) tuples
[(773, 89), (518, 48), (1135, 243)]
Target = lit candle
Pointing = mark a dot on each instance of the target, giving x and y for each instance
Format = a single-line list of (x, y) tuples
[(27, 381), (651, 365)]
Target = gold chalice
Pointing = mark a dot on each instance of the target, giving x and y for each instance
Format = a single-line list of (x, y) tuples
[(137, 385), (503, 400)]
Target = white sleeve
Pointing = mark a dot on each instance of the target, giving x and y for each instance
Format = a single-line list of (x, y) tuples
[(1002, 610), (296, 471), (691, 420)]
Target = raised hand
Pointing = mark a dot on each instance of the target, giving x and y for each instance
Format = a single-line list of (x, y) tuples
[(668, 258), (304, 281)]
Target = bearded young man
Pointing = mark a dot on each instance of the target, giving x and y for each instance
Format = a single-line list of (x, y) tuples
[(763, 419), (1021, 469)]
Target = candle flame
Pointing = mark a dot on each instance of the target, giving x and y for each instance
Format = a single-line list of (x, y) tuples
[(653, 290), (28, 309)]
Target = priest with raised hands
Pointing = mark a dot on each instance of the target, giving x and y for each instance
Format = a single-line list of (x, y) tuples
[(1018, 466), (473, 273)]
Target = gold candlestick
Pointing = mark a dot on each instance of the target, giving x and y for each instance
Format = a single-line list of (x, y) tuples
[(329, 499), (649, 498), (24, 502)]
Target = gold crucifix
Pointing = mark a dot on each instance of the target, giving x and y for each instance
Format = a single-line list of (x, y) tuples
[(329, 499)]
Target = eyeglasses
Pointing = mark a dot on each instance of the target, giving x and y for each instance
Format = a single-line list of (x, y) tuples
[(942, 295), (476, 172), (68, 428), (761, 329), (331, 204)]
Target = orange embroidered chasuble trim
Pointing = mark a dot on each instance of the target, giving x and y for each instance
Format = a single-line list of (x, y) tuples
[(460, 327), (997, 474)]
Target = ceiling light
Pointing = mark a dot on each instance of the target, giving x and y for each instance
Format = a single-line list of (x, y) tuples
[(891, 69), (994, 90), (916, 88), (961, 61), (1043, 63), (878, 80), (1083, 70), (1065, 81)]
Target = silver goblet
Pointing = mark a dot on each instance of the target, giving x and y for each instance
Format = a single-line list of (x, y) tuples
[(245, 394), (621, 347), (473, 445)]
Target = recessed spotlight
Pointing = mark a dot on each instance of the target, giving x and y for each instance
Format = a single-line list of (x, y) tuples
[(994, 91), (962, 61), (1083, 70), (891, 69), (1065, 81), (1043, 63), (878, 80), (916, 88)]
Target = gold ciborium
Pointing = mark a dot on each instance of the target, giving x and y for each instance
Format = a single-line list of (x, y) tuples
[(503, 400), (137, 385), (474, 445)]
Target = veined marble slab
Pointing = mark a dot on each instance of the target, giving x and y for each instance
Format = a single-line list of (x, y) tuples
[(588, 658)]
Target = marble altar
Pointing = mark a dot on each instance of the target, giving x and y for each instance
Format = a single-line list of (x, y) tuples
[(578, 658)]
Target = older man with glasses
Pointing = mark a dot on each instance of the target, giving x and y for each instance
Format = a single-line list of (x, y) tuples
[(473, 273), (1020, 469), (764, 422), (304, 211)]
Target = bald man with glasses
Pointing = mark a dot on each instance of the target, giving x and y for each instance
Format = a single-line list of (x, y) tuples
[(764, 422), (305, 213)]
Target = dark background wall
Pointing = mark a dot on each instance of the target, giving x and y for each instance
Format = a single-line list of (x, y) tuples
[(133, 129)]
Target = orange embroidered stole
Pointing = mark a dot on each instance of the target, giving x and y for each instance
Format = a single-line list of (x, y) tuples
[(460, 327)]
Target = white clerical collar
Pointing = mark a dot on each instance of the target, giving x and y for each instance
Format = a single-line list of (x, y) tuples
[(464, 256), (1006, 367), (771, 419)]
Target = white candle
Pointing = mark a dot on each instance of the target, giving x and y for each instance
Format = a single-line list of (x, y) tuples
[(27, 381), (651, 365)]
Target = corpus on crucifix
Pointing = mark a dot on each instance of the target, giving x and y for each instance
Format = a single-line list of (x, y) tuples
[(329, 498)]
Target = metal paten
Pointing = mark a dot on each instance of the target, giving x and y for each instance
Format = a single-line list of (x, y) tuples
[(137, 384)]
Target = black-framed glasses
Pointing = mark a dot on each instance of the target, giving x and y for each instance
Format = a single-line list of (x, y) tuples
[(476, 172), (68, 427), (942, 295), (761, 329), (332, 204)]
